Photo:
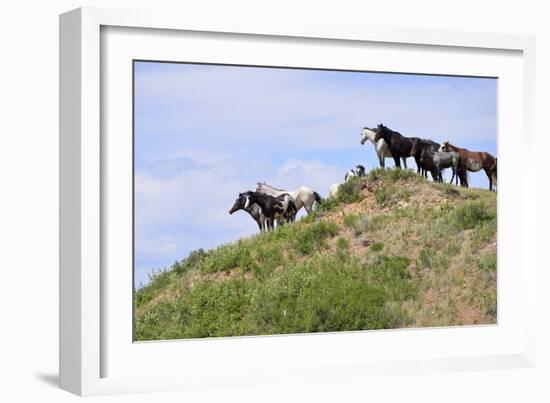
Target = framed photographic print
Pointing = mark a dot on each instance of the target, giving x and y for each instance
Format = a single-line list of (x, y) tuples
[(244, 201)]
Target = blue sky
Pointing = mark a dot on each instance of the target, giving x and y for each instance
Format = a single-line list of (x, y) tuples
[(205, 133)]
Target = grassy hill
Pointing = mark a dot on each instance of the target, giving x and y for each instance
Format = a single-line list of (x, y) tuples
[(393, 251)]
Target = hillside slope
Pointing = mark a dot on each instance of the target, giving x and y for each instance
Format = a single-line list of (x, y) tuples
[(393, 251)]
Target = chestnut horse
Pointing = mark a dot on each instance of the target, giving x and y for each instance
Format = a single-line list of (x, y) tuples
[(475, 161)]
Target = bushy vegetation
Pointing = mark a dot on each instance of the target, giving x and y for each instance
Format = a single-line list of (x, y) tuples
[(391, 175), (350, 191), (323, 294), (414, 264)]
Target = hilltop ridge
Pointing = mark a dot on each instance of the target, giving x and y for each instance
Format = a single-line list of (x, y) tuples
[(392, 250)]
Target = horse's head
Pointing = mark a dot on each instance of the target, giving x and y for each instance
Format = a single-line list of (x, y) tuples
[(445, 147), (367, 134), (239, 204), (360, 170), (381, 132)]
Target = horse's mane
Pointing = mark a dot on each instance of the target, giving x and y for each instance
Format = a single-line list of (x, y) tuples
[(458, 148), (387, 129), (272, 187)]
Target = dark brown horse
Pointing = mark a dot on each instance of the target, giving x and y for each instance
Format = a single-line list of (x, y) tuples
[(399, 145), (420, 145), (475, 161)]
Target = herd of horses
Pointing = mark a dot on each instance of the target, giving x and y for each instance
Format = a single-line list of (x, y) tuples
[(430, 156), (268, 205)]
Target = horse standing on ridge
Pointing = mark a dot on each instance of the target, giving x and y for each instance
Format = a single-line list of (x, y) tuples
[(303, 196), (281, 208), (418, 146), (475, 161), (399, 145), (253, 210), (437, 161), (380, 146)]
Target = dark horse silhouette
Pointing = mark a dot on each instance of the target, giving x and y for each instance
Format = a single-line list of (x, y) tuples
[(253, 209), (399, 145), (420, 145), (281, 208)]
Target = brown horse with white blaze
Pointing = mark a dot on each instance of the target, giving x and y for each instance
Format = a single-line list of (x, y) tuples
[(475, 161)]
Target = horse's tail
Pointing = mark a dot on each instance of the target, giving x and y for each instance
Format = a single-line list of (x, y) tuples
[(318, 197)]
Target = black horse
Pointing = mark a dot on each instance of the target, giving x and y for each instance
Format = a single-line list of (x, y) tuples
[(281, 208), (420, 145), (399, 145), (254, 210)]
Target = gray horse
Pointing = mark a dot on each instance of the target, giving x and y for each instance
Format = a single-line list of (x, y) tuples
[(438, 161)]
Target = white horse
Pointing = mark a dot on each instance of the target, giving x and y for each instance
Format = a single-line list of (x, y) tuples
[(333, 191), (381, 147), (303, 196)]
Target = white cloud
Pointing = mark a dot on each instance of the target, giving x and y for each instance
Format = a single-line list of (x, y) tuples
[(313, 174)]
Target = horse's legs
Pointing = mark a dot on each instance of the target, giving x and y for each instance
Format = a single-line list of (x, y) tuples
[(382, 160), (308, 208), (397, 162), (404, 162), (490, 176), (464, 176)]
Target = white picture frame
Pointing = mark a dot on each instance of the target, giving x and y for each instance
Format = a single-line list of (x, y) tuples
[(85, 308)]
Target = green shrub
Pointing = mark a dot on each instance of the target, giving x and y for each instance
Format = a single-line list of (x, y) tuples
[(391, 175), (191, 261), (228, 256), (484, 232), (472, 214), (350, 191), (383, 195), (431, 259), (377, 247), (349, 220), (312, 237), (158, 280)]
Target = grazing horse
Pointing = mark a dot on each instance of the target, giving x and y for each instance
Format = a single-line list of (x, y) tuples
[(359, 171), (437, 161), (254, 210), (303, 196), (475, 161), (280, 208), (380, 146), (418, 146), (399, 145)]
